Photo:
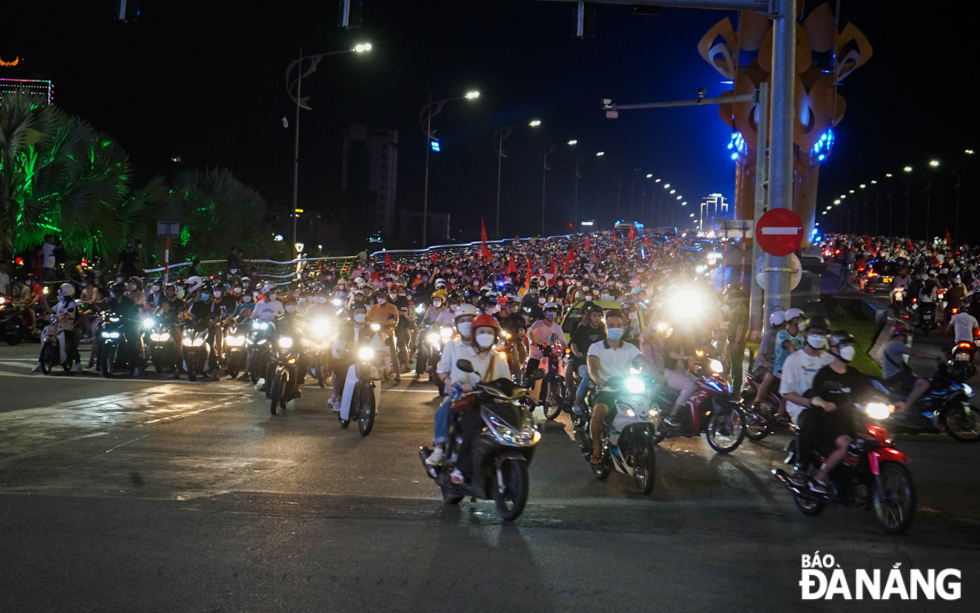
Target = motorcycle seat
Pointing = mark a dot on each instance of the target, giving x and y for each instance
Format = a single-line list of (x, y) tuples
[(667, 395), (503, 388)]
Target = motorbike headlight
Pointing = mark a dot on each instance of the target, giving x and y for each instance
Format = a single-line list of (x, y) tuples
[(432, 337), (188, 342), (336, 302), (375, 327), (635, 385), (148, 322), (366, 353), (446, 333), (285, 342), (235, 341), (419, 309), (113, 319), (630, 413), (260, 325), (877, 410), (105, 335), (715, 366), (968, 389), (321, 327), (113, 335), (198, 342)]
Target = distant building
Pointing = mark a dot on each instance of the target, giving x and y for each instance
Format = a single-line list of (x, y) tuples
[(38, 87), (370, 168)]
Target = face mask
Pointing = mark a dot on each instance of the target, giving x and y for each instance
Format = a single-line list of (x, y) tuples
[(272, 296), (614, 334), (359, 317), (542, 300), (246, 299), (217, 293), (290, 308), (437, 303), (847, 353), (485, 341), (632, 315), (550, 315), (393, 296), (155, 289), (465, 328), (452, 308), (817, 341), (381, 300)]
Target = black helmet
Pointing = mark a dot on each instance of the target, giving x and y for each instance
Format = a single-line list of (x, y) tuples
[(357, 306), (840, 337), (817, 322)]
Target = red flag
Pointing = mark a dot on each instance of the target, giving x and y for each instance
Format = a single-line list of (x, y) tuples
[(614, 235), (434, 258), (646, 241), (632, 234), (527, 278), (571, 226), (511, 267), (554, 272), (867, 243), (911, 246), (947, 236), (484, 252), (588, 243), (568, 260), (387, 259)]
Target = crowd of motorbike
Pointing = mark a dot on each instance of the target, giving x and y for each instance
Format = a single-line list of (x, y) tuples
[(239, 327)]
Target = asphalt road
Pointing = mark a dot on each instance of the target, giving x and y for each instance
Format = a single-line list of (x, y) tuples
[(157, 495)]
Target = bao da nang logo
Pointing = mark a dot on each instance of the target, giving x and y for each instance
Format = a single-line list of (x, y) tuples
[(824, 579)]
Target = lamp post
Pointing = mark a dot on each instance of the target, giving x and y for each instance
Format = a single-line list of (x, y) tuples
[(907, 180), (310, 68), (428, 112), (578, 176), (499, 137), (545, 152), (928, 190)]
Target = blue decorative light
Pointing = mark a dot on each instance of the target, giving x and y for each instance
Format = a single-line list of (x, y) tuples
[(737, 145), (823, 146), (435, 146)]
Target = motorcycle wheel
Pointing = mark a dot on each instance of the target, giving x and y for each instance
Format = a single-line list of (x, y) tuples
[(450, 496), (808, 506), (108, 361), (275, 391), (344, 423), (321, 373), (157, 363), (756, 426), (963, 426), (893, 501), (287, 390), (191, 371), (365, 421), (726, 429), (645, 465), (556, 399), (48, 360), (510, 503)]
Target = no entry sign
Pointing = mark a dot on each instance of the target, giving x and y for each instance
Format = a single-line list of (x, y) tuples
[(780, 232)]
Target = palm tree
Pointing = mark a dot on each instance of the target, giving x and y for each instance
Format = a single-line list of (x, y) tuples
[(58, 174)]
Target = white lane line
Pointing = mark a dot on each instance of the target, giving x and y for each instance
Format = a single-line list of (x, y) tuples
[(23, 364)]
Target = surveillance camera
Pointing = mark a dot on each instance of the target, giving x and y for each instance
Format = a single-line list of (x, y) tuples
[(606, 101)]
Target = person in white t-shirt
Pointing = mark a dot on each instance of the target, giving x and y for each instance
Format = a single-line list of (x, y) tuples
[(607, 360), (269, 308), (963, 325)]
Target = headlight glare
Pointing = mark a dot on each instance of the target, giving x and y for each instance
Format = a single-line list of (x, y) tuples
[(635, 385), (366, 353), (285, 342)]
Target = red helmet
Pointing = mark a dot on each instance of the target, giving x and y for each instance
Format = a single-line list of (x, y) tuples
[(485, 320), (900, 329)]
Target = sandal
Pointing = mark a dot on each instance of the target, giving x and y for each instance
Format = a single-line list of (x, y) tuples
[(595, 459)]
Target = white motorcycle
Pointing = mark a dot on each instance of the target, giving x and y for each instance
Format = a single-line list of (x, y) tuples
[(54, 351), (362, 388), (629, 444)]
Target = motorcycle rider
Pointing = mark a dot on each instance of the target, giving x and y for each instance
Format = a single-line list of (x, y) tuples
[(788, 341), (544, 332), (609, 359), (799, 370), (964, 327), (487, 366), (354, 334), (269, 308), (678, 349), (590, 330), (895, 368), (512, 323), (461, 347), (834, 418), (66, 312), (385, 314), (767, 355)]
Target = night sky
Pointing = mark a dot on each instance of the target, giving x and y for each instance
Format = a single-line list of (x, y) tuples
[(205, 81)]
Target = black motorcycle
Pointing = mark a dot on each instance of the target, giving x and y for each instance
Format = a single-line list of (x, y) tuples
[(160, 344), (119, 347), (501, 453), (259, 346), (946, 406), (13, 324), (284, 358), (195, 350), (924, 316), (236, 354)]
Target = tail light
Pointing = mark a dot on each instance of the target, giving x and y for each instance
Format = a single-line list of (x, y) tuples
[(954, 311), (965, 345), (872, 274)]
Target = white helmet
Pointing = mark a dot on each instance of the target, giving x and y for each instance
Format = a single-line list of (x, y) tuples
[(778, 318), (550, 305), (465, 309), (67, 290), (268, 287), (192, 284)]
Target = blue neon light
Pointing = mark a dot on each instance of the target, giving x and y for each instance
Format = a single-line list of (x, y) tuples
[(435, 146), (823, 146)]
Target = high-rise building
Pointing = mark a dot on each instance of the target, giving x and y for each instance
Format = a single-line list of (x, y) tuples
[(370, 167), (15, 76)]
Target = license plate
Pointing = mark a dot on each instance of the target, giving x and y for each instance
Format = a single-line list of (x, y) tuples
[(887, 279), (927, 317), (962, 357)]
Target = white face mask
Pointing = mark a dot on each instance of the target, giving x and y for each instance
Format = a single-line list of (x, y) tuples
[(632, 315), (465, 328), (437, 303), (246, 299), (217, 293), (381, 300), (359, 317), (290, 308), (393, 296), (485, 341), (452, 308), (817, 341), (272, 297), (847, 352)]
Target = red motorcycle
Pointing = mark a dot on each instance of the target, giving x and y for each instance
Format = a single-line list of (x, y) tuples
[(714, 410), (873, 476)]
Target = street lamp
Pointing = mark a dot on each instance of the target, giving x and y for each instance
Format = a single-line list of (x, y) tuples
[(310, 68), (928, 190), (600, 154), (428, 111), (907, 180), (573, 142), (499, 137)]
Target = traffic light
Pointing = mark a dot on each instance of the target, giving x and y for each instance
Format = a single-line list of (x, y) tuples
[(127, 10), (351, 13), (584, 15)]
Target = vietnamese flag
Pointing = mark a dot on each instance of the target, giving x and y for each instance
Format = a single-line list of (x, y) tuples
[(588, 243), (387, 259), (947, 236), (527, 277), (911, 246), (568, 260), (646, 241), (483, 247), (511, 267), (614, 236), (632, 234), (554, 273)]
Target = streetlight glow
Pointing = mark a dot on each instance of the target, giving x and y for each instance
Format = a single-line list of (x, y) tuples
[(362, 47), (862, 186), (836, 201), (649, 176), (600, 154), (888, 175), (671, 191), (573, 142), (684, 203), (535, 123), (472, 95), (934, 163), (679, 197), (908, 169), (657, 181), (874, 182), (666, 185), (969, 152), (850, 191)]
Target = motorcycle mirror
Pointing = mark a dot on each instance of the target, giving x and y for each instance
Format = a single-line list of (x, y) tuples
[(465, 366)]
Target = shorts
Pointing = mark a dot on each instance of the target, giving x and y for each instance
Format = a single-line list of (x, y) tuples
[(608, 399), (903, 380), (828, 427)]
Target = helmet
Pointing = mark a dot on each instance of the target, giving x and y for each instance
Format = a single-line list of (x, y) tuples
[(778, 318), (357, 306), (289, 298), (192, 284), (817, 322), (118, 288), (441, 283), (465, 309), (485, 320), (841, 337), (440, 295), (550, 306), (591, 307), (793, 314), (66, 290)]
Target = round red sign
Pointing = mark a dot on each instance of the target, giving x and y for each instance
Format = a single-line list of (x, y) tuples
[(779, 232)]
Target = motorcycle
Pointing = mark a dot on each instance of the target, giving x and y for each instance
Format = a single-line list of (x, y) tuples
[(195, 350), (362, 390), (322, 335), (946, 406), (13, 324), (501, 453), (162, 348), (760, 420), (236, 355), (117, 350), (629, 444), (259, 346), (284, 358), (872, 475), (437, 338), (925, 319), (898, 303), (713, 409), (553, 381), (54, 349), (961, 359)]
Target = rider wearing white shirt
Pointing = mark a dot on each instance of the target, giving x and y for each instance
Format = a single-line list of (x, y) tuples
[(270, 308), (963, 325)]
